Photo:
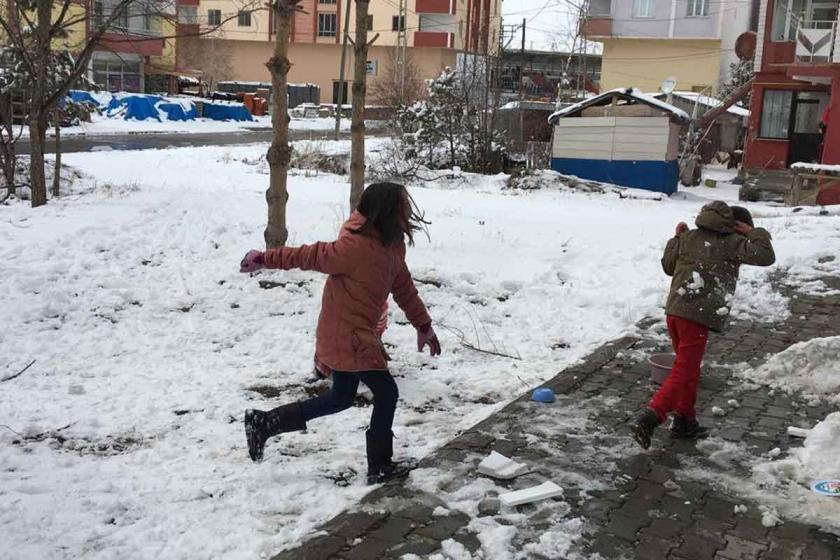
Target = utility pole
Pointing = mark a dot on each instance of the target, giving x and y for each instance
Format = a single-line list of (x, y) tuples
[(522, 62), (402, 41), (345, 28)]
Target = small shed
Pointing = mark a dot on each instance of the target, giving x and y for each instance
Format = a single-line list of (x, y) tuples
[(622, 137)]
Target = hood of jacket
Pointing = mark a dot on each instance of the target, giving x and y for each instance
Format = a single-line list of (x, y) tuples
[(716, 216)]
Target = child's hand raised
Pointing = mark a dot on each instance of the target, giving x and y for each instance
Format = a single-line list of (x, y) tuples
[(682, 227), (743, 228)]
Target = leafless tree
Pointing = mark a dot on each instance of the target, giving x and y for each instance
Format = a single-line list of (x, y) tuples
[(357, 126), (279, 153), (386, 89)]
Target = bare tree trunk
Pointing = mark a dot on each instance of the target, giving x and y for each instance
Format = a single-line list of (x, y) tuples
[(56, 186), (38, 117), (37, 177), (357, 126), (279, 152), (8, 151), (9, 158)]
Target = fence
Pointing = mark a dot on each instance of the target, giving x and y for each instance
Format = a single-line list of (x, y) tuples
[(538, 155)]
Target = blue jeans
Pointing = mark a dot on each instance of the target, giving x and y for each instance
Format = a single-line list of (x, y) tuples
[(340, 397)]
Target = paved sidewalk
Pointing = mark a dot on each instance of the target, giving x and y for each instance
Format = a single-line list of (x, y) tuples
[(635, 504)]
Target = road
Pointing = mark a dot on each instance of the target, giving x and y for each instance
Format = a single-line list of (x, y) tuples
[(174, 140)]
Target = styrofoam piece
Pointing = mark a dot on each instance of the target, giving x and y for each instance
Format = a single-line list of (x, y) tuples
[(499, 466), (798, 432), (533, 494)]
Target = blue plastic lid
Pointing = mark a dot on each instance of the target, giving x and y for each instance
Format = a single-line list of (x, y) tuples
[(543, 395)]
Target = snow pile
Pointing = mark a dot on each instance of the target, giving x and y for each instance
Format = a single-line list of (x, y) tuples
[(811, 368), (789, 480), (781, 486), (817, 459)]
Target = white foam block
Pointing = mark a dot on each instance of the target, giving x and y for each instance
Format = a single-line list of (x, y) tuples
[(533, 494), (499, 466), (798, 432)]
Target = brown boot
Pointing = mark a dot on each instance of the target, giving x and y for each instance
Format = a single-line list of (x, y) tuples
[(644, 426)]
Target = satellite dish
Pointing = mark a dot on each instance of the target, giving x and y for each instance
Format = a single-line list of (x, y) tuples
[(668, 85), (745, 45)]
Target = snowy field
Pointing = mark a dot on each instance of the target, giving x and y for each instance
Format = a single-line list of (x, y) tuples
[(124, 439), (103, 126)]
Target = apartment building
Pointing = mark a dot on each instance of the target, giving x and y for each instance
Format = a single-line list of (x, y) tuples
[(137, 53), (647, 41), (436, 31), (796, 87)]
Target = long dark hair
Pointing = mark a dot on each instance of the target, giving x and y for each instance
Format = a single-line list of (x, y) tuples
[(392, 212)]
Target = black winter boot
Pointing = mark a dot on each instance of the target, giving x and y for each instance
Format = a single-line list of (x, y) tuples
[(381, 468), (644, 426), (687, 428), (260, 425)]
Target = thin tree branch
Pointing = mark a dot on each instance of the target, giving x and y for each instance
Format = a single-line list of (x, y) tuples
[(18, 374)]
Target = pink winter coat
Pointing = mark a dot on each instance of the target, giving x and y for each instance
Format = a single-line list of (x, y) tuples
[(362, 273)]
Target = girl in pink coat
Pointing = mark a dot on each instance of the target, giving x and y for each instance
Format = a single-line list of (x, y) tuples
[(365, 265)]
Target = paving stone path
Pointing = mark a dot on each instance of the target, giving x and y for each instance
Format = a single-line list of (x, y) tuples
[(635, 504)]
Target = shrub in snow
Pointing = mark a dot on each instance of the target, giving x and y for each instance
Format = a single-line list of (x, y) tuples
[(451, 128)]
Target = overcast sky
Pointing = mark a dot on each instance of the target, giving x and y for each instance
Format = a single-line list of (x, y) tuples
[(547, 22)]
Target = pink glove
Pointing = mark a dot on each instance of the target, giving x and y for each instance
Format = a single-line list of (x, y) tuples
[(254, 260), (426, 336)]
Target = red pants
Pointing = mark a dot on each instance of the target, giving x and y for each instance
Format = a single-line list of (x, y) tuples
[(679, 392)]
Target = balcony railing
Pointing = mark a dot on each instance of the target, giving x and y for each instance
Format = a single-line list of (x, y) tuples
[(815, 41), (435, 6), (434, 39), (594, 27)]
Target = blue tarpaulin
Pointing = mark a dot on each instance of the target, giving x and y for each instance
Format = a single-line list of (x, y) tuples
[(78, 96), (137, 107), (176, 112), (226, 112)]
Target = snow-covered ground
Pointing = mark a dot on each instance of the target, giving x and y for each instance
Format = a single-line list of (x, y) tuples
[(149, 344), (103, 126)]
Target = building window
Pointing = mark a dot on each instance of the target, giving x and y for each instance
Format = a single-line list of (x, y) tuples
[(214, 17), (370, 22), (244, 19), (786, 14), (326, 1), (326, 25), (398, 23), (643, 8), (698, 8), (121, 21), (600, 8), (118, 75), (775, 114), (98, 14), (188, 15)]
